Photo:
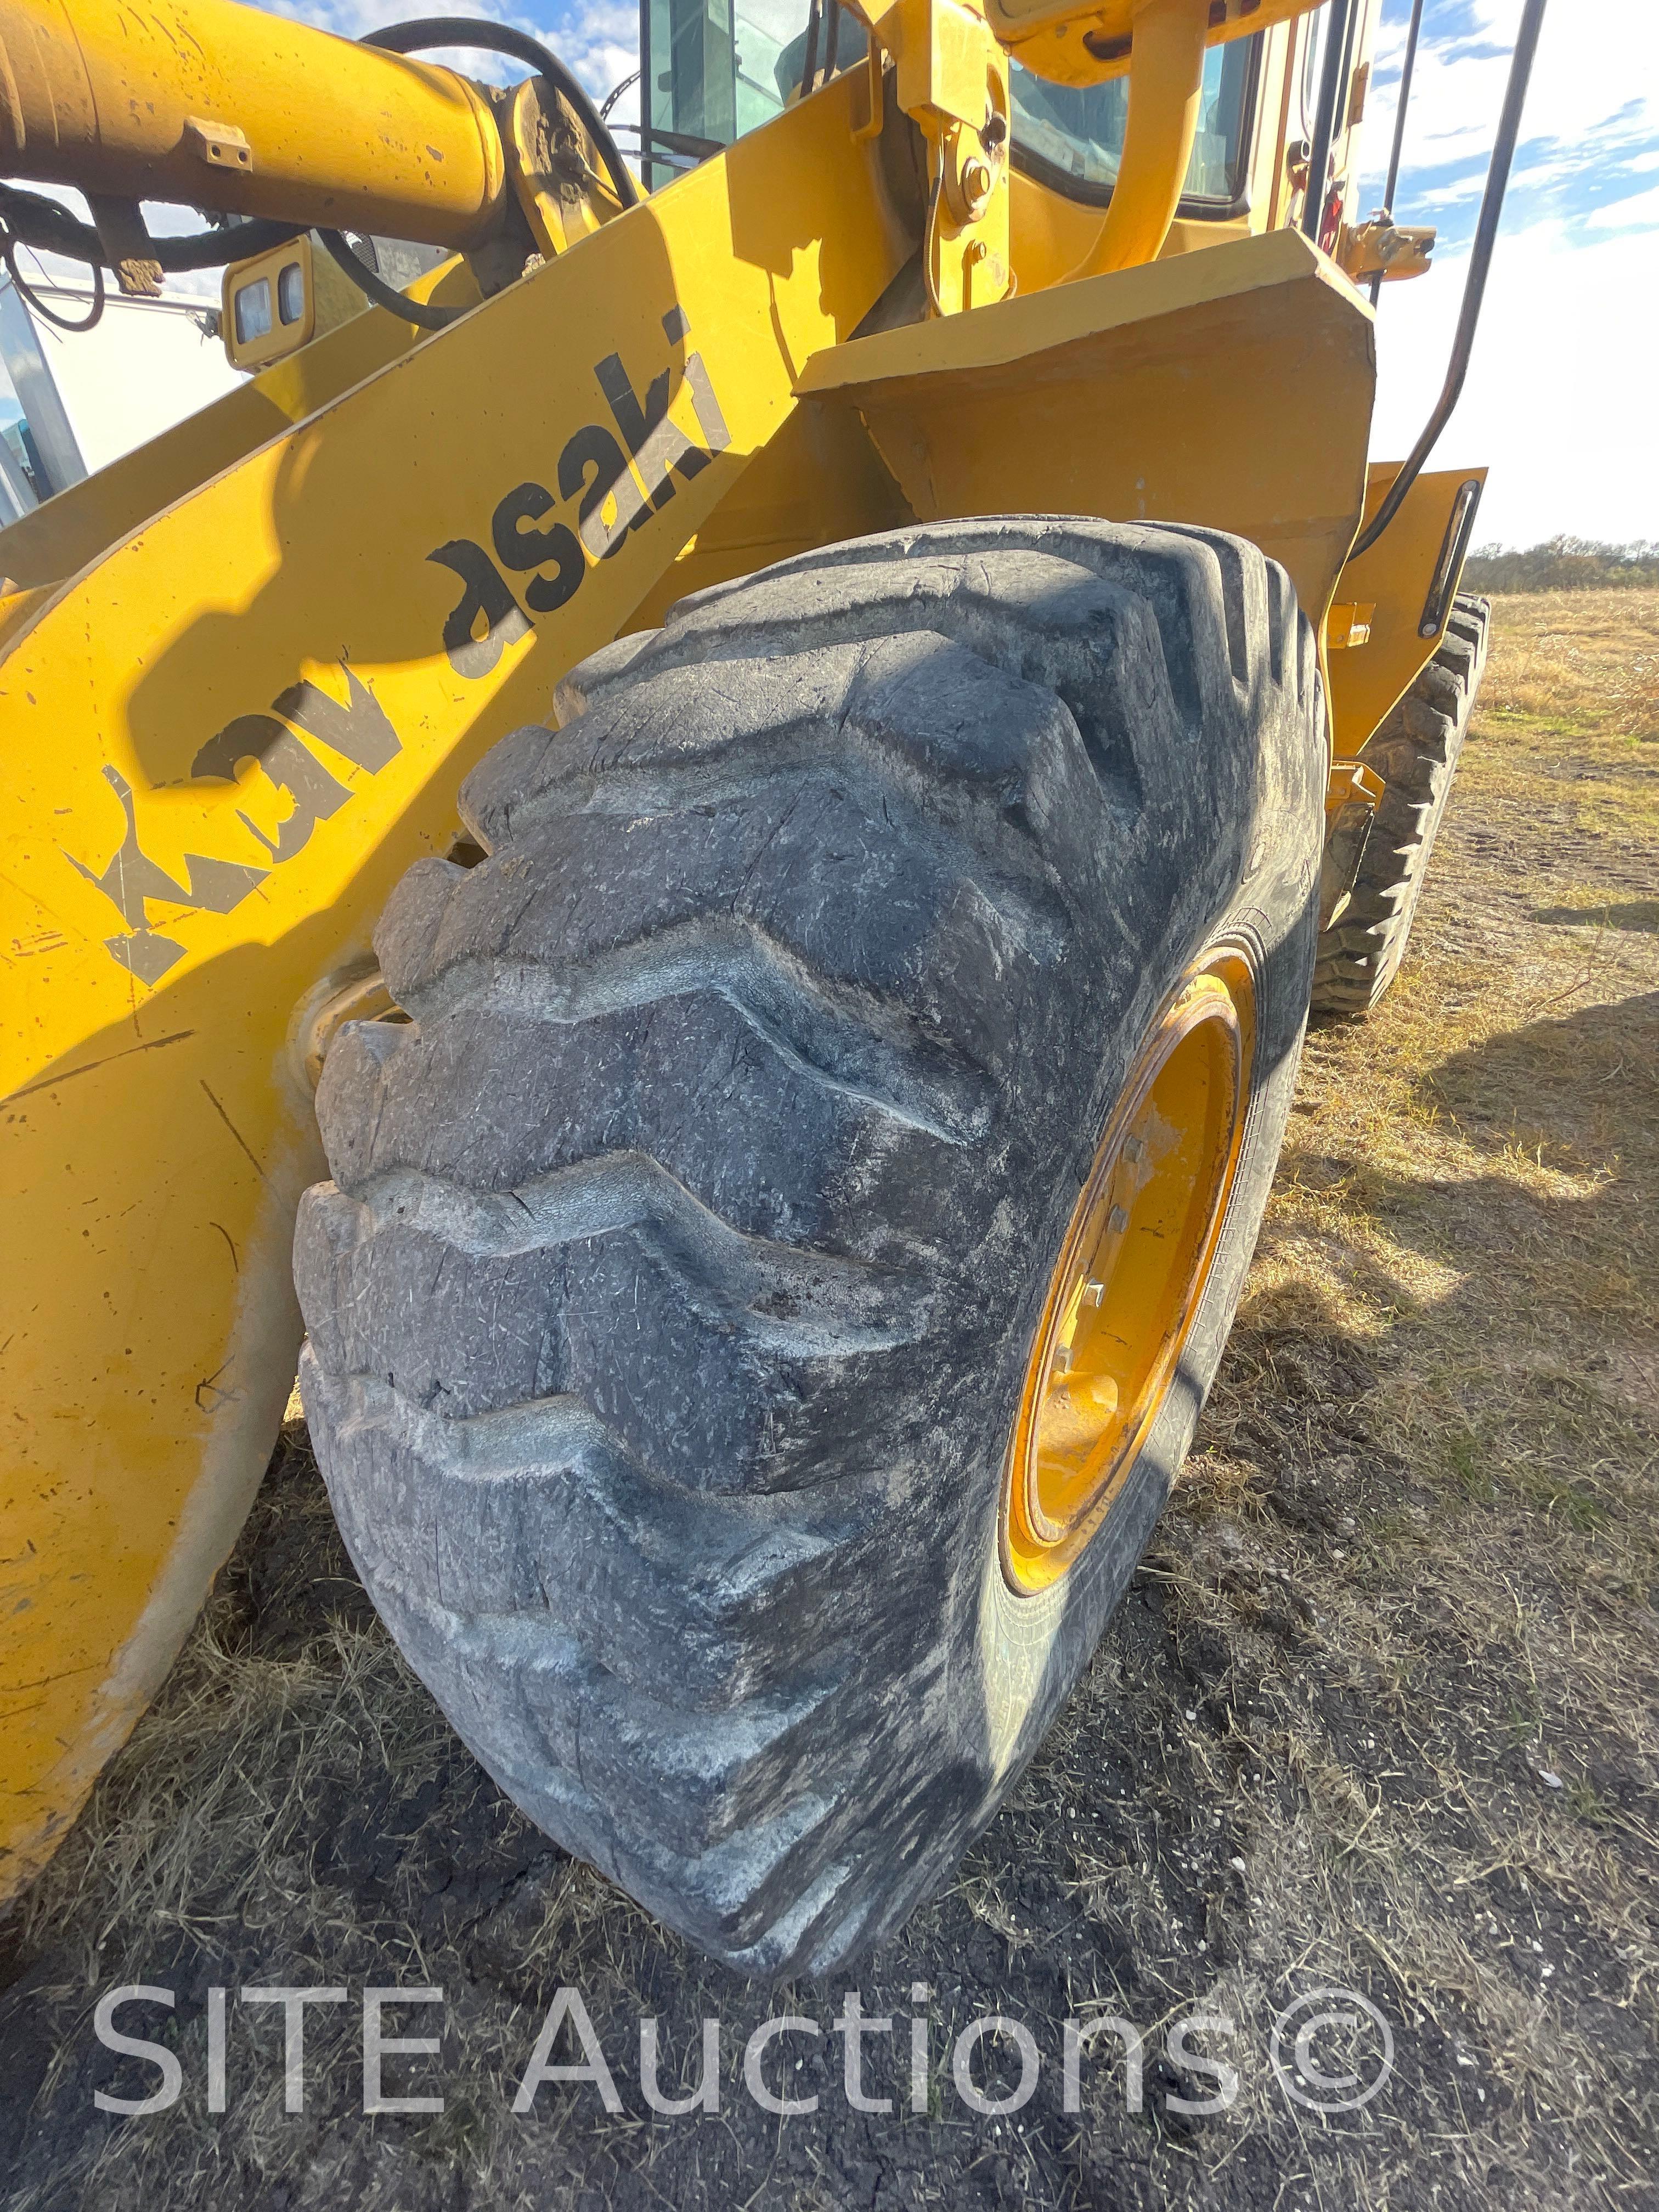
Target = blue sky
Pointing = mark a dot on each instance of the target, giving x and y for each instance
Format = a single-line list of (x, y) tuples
[(1560, 395)]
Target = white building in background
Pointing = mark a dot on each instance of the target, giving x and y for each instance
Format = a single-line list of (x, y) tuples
[(81, 398)]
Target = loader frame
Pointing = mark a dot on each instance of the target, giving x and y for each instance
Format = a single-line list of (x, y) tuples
[(247, 669)]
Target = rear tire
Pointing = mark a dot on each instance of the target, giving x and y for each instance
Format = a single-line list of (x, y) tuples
[(1416, 753), (670, 1306)]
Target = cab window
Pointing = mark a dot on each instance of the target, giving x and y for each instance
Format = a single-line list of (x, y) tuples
[(1072, 138), (715, 69)]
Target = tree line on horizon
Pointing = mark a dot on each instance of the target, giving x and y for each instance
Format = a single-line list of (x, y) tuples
[(1562, 564)]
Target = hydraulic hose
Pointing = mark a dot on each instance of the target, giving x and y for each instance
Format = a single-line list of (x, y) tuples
[(1475, 287), (30, 219)]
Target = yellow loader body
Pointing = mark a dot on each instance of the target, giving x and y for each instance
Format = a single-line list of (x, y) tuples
[(246, 670)]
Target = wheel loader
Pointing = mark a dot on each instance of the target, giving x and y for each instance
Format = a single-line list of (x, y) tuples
[(692, 838)]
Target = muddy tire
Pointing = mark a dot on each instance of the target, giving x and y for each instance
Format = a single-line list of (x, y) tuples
[(670, 1306), (1415, 752)]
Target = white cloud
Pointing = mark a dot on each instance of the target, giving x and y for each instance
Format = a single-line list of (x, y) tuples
[(1640, 211), (1452, 195), (1558, 397), (1593, 101), (597, 39)]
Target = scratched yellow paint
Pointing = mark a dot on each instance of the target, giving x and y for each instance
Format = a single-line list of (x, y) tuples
[(1393, 579)]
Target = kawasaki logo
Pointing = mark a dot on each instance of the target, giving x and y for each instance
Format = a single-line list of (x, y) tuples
[(594, 472), (611, 485), (358, 730)]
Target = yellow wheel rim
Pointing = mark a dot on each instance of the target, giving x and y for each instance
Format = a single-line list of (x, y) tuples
[(1132, 1272)]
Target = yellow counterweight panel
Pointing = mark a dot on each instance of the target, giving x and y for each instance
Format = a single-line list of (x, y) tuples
[(219, 746), (214, 105), (1232, 388)]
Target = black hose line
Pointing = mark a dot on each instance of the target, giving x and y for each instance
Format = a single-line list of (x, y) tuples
[(422, 313), (1475, 284), (430, 31), (212, 249), (32, 298), (1340, 21), (29, 219), (810, 59), (1406, 69), (48, 225), (616, 93)]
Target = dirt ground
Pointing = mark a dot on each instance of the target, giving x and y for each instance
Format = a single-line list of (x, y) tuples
[(1380, 1712)]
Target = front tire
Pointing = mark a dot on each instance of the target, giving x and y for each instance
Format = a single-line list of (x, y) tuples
[(1416, 753), (674, 1305)]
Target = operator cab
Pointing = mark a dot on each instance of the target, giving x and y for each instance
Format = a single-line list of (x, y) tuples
[(712, 69)]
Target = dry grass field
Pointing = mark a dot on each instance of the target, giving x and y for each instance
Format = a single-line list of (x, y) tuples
[(1381, 1712)]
